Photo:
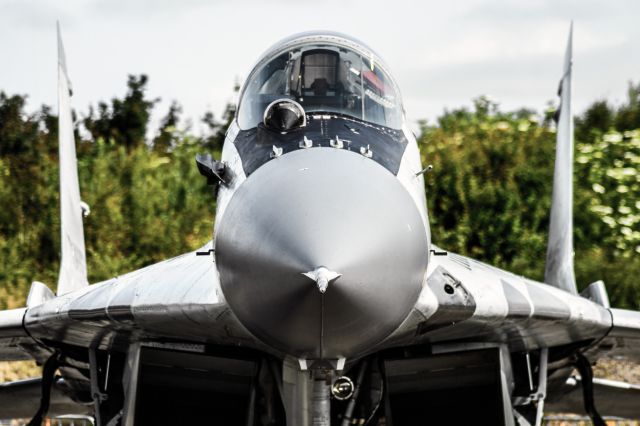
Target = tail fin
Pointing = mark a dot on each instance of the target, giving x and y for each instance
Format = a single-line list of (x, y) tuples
[(559, 267), (73, 265)]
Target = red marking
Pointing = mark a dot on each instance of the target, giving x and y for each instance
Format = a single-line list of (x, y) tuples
[(374, 79)]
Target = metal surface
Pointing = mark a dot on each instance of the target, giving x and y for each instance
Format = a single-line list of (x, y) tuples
[(11, 323), (623, 340), (320, 399), (38, 294), (96, 394), (342, 388), (179, 298), (507, 308), (597, 293), (130, 384), (12, 333), (506, 384), (291, 105), (296, 392), (233, 164), (348, 412), (322, 277), (559, 266), (289, 218), (541, 393), (411, 164), (73, 265)]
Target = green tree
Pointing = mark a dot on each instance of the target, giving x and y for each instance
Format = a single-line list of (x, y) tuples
[(628, 116), (489, 195), (125, 121), (166, 139)]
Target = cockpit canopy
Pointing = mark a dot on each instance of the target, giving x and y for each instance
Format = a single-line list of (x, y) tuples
[(327, 74)]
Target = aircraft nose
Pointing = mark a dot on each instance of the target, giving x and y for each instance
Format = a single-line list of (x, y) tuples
[(321, 253)]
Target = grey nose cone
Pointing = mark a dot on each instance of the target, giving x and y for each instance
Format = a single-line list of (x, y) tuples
[(321, 253)]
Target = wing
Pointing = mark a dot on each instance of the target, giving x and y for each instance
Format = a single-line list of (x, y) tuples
[(612, 398), (169, 303), (12, 334), (179, 298), (624, 338), (467, 300)]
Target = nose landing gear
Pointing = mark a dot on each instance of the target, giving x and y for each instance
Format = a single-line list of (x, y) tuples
[(319, 396)]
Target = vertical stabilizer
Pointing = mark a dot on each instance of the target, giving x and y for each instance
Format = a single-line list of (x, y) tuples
[(73, 265), (559, 267)]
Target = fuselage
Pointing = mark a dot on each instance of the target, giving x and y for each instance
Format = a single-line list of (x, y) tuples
[(324, 176)]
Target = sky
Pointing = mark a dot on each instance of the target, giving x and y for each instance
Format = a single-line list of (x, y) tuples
[(442, 54)]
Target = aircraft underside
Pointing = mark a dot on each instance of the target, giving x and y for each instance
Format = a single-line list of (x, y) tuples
[(173, 383), (459, 388), (193, 384)]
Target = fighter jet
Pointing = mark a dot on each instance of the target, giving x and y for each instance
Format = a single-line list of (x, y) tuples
[(320, 299)]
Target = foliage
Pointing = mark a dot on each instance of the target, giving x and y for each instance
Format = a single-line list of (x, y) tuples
[(489, 195), (147, 201), (125, 121), (17, 370)]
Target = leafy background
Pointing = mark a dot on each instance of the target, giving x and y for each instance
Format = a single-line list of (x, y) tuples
[(489, 194)]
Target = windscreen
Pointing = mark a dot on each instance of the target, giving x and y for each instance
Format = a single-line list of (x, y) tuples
[(326, 78)]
